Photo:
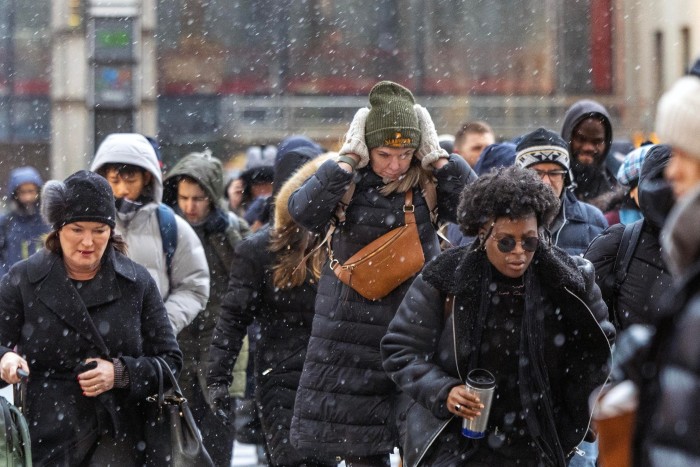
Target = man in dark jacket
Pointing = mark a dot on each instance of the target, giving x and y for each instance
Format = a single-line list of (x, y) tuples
[(631, 289), (194, 188), (577, 223), (588, 132), (21, 228)]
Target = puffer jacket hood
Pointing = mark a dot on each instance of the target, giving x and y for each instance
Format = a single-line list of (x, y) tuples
[(584, 109), (200, 166), (133, 149), (655, 192), (22, 175)]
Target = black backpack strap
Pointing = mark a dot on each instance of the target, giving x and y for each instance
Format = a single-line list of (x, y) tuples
[(625, 252)]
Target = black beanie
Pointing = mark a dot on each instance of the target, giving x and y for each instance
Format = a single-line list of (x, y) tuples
[(391, 121), (82, 197)]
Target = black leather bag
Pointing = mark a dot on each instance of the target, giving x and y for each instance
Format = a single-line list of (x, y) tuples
[(171, 434)]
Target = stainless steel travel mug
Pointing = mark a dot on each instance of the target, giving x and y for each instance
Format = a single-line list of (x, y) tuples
[(483, 384)]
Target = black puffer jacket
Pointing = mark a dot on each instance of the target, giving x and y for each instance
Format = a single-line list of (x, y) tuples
[(637, 301), (344, 404), (284, 316), (669, 401), (427, 355)]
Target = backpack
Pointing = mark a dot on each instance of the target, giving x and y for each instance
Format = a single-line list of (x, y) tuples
[(15, 444), (168, 233), (625, 252)]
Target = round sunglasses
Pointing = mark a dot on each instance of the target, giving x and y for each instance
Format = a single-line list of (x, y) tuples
[(507, 244)]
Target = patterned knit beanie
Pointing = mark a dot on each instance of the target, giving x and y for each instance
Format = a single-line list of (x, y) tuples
[(391, 121), (543, 145), (678, 114), (631, 167)]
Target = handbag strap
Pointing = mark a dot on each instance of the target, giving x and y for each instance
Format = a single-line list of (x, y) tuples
[(166, 371), (159, 373)]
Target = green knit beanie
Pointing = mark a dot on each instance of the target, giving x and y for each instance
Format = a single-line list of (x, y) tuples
[(391, 121)]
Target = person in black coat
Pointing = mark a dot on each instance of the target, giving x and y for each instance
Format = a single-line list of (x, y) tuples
[(267, 285), (344, 405), (522, 309), (84, 320), (634, 299), (667, 370)]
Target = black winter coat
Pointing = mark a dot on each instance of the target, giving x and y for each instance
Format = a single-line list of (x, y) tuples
[(42, 314), (637, 301), (285, 318), (344, 403), (427, 355)]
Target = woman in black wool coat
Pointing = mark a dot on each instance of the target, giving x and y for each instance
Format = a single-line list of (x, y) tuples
[(345, 401), (267, 285), (522, 309), (85, 321)]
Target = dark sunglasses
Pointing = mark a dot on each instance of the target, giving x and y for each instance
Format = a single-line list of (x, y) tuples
[(507, 244)]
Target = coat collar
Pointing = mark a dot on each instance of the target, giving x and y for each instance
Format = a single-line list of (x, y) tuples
[(56, 291), (552, 265)]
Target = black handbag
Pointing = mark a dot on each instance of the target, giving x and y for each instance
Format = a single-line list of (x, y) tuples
[(171, 434)]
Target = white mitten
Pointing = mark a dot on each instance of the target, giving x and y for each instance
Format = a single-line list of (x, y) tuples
[(429, 150), (355, 138)]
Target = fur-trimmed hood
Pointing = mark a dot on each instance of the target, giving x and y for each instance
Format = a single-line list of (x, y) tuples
[(281, 211)]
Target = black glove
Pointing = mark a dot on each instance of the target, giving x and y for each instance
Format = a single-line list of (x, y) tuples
[(220, 403)]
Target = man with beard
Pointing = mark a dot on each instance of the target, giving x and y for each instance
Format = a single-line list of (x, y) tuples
[(588, 131), (22, 227)]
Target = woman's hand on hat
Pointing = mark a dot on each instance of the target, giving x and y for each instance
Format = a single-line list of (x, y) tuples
[(355, 145), (429, 152)]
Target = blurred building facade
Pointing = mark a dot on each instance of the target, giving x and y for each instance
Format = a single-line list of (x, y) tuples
[(230, 73)]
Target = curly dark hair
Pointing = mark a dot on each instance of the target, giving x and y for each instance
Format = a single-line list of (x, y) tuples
[(511, 192)]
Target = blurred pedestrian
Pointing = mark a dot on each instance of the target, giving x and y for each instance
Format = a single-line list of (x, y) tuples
[(22, 228), (471, 139), (257, 178), (628, 261), (84, 320), (344, 404), (194, 188), (588, 131), (668, 369), (233, 191), (273, 281), (512, 304)]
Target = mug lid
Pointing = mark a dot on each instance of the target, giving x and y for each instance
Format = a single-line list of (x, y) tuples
[(481, 378)]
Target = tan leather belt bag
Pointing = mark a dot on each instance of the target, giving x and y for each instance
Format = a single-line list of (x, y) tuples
[(385, 263)]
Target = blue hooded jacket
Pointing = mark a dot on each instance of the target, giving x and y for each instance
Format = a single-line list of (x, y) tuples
[(22, 228)]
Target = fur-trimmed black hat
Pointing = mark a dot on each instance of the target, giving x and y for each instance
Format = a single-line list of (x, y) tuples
[(82, 197)]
